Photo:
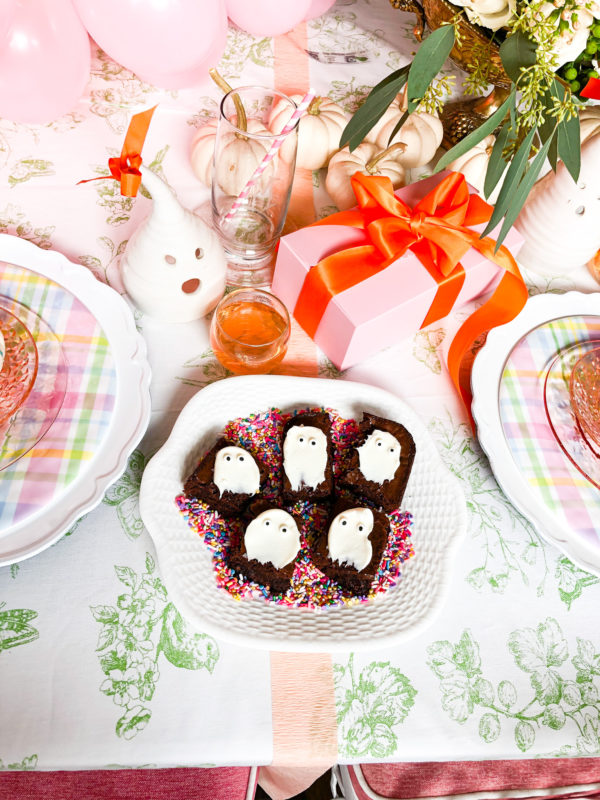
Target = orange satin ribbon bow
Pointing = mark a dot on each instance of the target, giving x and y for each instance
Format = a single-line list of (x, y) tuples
[(437, 232), (126, 168)]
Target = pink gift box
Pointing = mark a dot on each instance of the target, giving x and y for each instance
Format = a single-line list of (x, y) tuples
[(390, 305)]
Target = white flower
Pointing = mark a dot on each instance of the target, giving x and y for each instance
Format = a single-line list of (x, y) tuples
[(572, 41), (492, 14)]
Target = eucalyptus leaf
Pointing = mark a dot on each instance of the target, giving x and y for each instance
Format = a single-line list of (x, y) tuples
[(496, 164), (511, 181), (520, 195), (476, 136), (374, 107), (397, 127), (428, 61), (517, 51), (569, 149)]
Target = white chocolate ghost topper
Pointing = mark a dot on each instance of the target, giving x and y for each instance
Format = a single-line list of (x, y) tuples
[(379, 456), (305, 456), (348, 537), (236, 471), (560, 219), (173, 267), (273, 536)]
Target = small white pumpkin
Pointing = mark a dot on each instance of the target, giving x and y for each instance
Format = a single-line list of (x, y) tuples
[(319, 130), (239, 155), (367, 158), (589, 122), (474, 163), (422, 133)]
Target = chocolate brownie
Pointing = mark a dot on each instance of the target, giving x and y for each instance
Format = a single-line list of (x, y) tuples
[(306, 458), (346, 574), (276, 579), (388, 489), (201, 486)]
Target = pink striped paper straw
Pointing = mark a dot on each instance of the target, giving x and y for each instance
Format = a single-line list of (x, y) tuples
[(305, 102)]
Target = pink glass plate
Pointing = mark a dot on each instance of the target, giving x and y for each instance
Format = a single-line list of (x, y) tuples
[(581, 450), (585, 396), (20, 366), (30, 422)]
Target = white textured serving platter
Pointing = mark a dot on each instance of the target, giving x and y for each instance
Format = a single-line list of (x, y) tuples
[(433, 496), (486, 380), (130, 416)]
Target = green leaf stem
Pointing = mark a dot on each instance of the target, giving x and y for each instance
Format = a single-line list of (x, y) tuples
[(517, 52)]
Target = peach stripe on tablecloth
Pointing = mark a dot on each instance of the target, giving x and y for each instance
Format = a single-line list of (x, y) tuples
[(302, 691)]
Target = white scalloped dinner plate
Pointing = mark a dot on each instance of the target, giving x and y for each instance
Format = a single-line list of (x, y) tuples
[(486, 379), (433, 496), (131, 412)]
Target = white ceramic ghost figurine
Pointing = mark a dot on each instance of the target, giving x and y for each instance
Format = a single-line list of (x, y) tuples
[(173, 267), (305, 456), (561, 219), (348, 537), (273, 536), (379, 456), (236, 471)]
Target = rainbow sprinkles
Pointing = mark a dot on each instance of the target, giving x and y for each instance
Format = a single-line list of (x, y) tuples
[(261, 435)]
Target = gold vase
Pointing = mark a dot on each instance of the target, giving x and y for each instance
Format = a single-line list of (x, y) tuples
[(462, 117)]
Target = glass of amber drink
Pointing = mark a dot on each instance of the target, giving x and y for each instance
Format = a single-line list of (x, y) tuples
[(249, 331)]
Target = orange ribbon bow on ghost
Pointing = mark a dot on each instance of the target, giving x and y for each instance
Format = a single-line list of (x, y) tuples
[(437, 232), (126, 168)]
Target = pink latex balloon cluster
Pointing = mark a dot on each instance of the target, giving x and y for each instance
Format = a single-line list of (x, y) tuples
[(273, 17), (45, 48)]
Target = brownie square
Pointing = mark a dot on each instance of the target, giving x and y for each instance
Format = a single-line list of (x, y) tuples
[(324, 489), (350, 579), (387, 495), (277, 581), (200, 484)]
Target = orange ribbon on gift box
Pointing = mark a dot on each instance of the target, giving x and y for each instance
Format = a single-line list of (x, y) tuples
[(437, 231)]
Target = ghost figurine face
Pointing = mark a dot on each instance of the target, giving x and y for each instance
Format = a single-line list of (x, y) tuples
[(379, 456), (236, 471), (273, 536), (173, 267), (305, 456), (348, 537)]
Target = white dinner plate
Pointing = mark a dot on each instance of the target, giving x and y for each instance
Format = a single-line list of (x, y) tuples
[(504, 446), (433, 496), (129, 417)]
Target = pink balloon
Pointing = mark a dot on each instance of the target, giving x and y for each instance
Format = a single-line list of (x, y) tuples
[(267, 17), (7, 15), (44, 61), (169, 43), (318, 7)]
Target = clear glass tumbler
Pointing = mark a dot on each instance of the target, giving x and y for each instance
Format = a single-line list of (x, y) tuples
[(249, 331), (249, 232)]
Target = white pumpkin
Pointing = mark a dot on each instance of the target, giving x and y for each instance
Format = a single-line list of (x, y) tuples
[(474, 163), (589, 122), (421, 133), (319, 130), (367, 158), (239, 156)]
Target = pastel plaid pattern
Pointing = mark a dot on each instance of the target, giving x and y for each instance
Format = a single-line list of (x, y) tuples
[(40, 476), (550, 475)]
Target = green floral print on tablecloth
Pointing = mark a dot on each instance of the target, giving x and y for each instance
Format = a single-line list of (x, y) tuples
[(25, 169), (562, 699), (27, 764), (369, 707), (140, 626), (124, 494), (15, 629), (106, 267), (425, 348), (241, 48), (13, 220)]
